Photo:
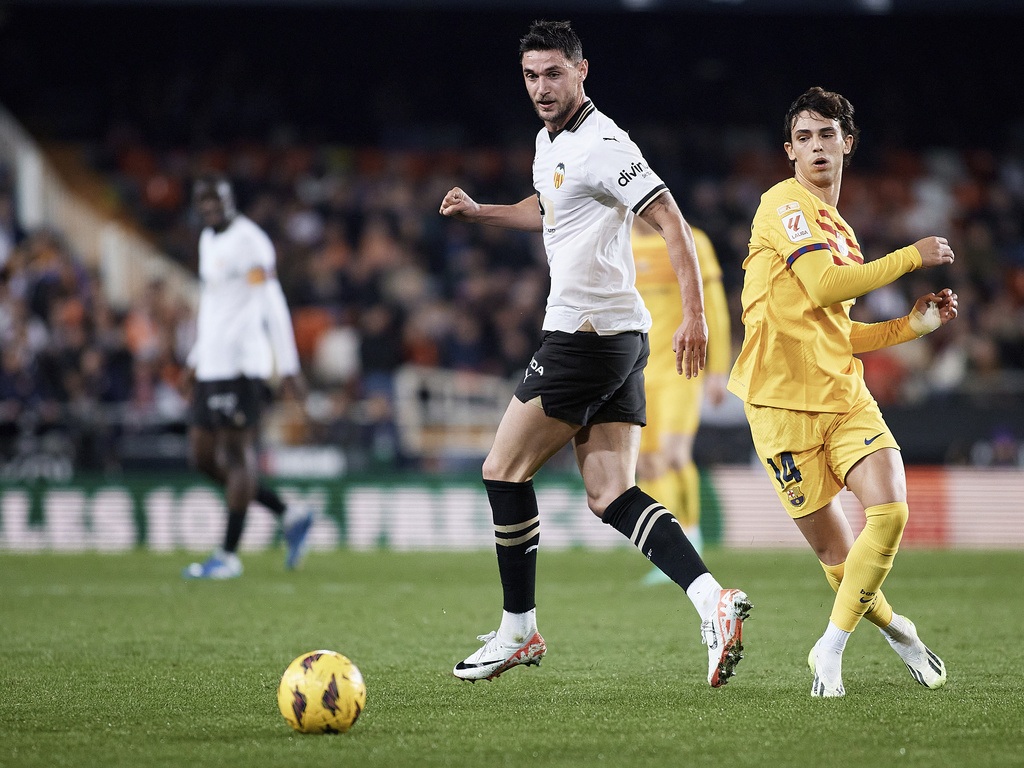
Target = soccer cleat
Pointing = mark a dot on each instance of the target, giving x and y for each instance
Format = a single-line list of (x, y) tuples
[(496, 657), (296, 535), (218, 566), (722, 633), (925, 667), (822, 686)]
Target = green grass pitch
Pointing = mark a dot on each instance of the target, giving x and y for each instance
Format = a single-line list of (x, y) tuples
[(115, 661)]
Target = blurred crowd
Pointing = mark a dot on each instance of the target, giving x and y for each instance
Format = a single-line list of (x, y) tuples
[(376, 278), (77, 375)]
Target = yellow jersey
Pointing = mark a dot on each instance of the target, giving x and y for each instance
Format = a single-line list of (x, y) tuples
[(659, 287), (803, 272)]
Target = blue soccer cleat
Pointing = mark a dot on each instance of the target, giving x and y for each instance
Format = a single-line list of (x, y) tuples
[(218, 566), (296, 537)]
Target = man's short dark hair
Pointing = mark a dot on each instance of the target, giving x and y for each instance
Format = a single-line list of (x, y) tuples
[(552, 36), (829, 105), (211, 185)]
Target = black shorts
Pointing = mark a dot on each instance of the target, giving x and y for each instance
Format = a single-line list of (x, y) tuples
[(585, 378), (229, 403)]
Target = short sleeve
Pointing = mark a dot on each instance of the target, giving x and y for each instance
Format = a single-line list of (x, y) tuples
[(618, 167)]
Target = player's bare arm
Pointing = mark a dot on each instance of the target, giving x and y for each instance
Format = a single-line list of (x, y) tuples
[(524, 215), (294, 387), (935, 251), (690, 341)]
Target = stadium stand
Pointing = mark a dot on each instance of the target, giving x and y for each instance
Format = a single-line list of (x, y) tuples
[(94, 333)]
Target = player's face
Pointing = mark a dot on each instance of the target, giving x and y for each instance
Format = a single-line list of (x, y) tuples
[(211, 210), (818, 147), (555, 85)]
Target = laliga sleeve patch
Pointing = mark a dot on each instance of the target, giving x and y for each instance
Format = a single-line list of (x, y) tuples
[(796, 226)]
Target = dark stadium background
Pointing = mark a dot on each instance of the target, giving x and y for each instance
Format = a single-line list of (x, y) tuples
[(928, 72), (697, 78)]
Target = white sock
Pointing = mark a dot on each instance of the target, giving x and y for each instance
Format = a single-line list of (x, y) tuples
[(517, 627), (828, 656), (834, 639), (704, 593), (898, 629)]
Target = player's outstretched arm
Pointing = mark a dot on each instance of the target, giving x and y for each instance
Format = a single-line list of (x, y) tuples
[(524, 215), (828, 283)]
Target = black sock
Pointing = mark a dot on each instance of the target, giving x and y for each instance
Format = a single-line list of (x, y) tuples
[(236, 524), (657, 534), (516, 538), (268, 497)]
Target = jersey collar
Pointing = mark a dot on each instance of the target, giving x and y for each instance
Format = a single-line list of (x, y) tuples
[(582, 113)]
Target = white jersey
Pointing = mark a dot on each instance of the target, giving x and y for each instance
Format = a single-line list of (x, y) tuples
[(243, 327), (591, 179)]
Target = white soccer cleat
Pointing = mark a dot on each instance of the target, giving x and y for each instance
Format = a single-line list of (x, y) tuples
[(496, 657), (218, 566), (825, 686), (722, 633), (925, 667)]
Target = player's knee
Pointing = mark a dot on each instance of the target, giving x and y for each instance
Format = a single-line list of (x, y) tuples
[(491, 469), (831, 552), (599, 501), (494, 469), (885, 524), (895, 514), (597, 504), (204, 463)]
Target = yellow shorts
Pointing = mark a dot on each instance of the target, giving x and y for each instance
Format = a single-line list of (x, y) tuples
[(807, 453), (673, 407)]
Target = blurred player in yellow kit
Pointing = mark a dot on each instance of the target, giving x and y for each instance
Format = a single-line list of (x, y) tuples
[(814, 424), (665, 468)]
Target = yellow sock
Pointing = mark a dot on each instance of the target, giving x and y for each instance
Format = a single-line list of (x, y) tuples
[(868, 563), (687, 482), (880, 612)]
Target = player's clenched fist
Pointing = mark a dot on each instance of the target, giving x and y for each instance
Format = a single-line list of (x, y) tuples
[(458, 204), (935, 251)]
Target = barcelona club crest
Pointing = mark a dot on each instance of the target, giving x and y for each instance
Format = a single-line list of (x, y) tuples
[(796, 496), (559, 174)]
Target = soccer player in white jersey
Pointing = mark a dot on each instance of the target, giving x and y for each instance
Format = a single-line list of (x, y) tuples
[(585, 384), (243, 331)]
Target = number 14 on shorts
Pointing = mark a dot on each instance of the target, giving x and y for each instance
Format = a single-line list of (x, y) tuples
[(787, 473)]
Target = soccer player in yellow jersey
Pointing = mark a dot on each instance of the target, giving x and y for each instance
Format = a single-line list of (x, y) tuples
[(814, 423), (666, 468)]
